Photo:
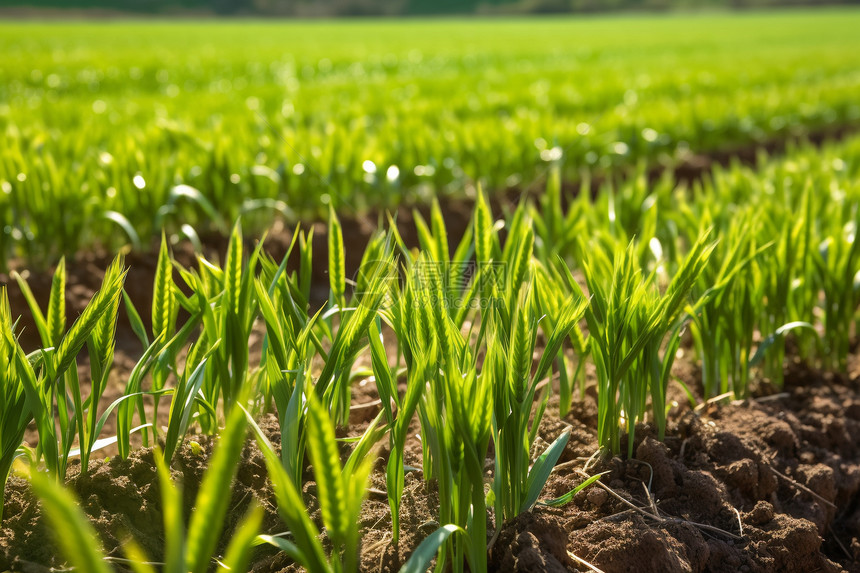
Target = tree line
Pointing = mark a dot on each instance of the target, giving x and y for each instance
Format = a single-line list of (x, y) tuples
[(328, 8)]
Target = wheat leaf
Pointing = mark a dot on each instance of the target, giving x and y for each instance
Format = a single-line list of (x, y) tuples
[(336, 259), (57, 304), (163, 297), (327, 470), (213, 498)]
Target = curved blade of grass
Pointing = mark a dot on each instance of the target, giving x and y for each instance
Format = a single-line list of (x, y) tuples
[(541, 469), (105, 442), (126, 226), (420, 559), (770, 340), (135, 320), (288, 547), (35, 311), (385, 383), (189, 232), (268, 204), (187, 192), (568, 497)]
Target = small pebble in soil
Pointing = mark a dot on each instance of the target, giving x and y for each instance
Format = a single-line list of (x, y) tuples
[(597, 496), (762, 513), (852, 409)]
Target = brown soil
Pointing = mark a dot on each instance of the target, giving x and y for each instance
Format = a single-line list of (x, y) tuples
[(762, 485), (122, 498), (768, 485)]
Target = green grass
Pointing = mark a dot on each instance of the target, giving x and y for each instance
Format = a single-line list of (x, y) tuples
[(113, 130), (474, 377)]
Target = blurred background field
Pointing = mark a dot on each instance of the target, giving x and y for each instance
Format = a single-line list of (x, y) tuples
[(113, 129)]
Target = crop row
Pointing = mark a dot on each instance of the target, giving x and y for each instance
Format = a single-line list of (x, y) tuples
[(112, 133), (463, 335)]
